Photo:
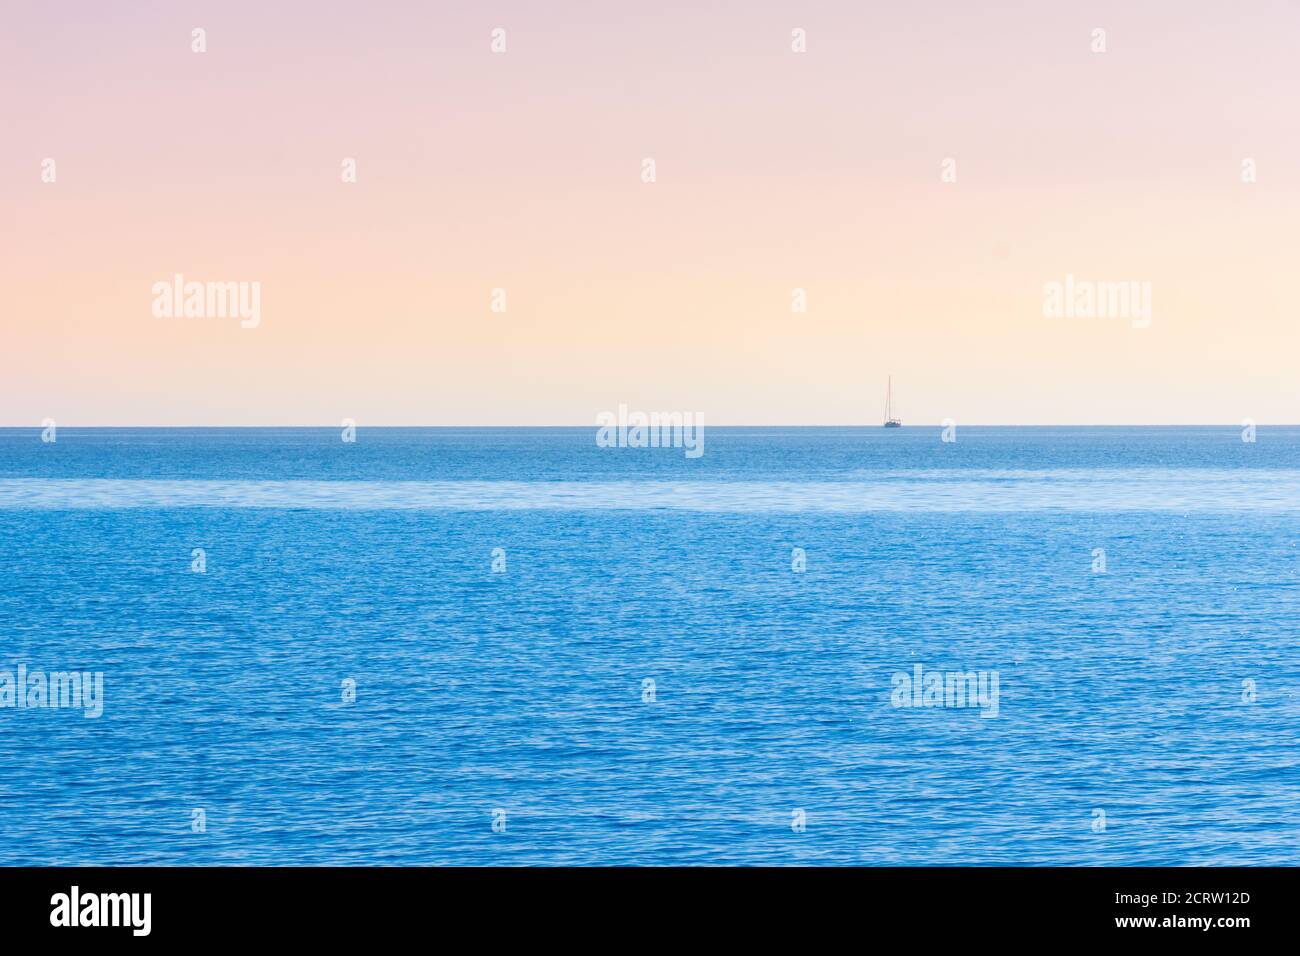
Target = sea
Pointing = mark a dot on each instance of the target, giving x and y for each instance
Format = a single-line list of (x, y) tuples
[(512, 646)]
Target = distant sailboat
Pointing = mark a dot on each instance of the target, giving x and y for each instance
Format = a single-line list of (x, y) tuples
[(890, 420)]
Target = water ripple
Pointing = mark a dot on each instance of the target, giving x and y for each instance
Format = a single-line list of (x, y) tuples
[(1074, 490)]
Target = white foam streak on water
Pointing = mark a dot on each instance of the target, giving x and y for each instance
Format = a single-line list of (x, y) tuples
[(1079, 490)]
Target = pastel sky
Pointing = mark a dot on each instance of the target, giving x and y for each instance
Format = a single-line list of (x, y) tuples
[(775, 170)]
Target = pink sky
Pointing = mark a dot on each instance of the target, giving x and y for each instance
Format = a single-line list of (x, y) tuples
[(776, 171)]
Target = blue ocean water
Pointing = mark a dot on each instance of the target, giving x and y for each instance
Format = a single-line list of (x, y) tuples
[(1163, 693)]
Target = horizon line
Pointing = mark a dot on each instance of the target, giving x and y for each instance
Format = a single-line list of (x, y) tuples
[(940, 424)]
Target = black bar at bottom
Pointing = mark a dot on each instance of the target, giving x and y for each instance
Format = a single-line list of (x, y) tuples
[(332, 906)]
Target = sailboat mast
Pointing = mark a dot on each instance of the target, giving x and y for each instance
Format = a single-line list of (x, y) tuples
[(890, 420)]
